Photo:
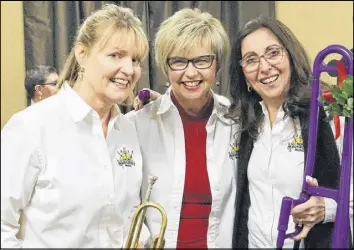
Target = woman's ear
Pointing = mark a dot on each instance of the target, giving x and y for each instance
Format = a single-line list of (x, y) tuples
[(38, 91), (80, 54)]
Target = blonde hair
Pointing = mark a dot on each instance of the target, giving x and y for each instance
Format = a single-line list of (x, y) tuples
[(187, 29), (98, 28)]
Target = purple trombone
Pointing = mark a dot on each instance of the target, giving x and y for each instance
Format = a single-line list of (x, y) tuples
[(340, 195)]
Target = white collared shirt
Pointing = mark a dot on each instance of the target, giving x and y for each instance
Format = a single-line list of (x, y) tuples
[(275, 170), (72, 186), (161, 137)]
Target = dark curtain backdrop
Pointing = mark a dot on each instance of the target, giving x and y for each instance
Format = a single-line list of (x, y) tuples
[(50, 28)]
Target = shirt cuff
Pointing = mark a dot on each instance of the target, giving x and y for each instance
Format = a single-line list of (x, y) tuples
[(330, 210)]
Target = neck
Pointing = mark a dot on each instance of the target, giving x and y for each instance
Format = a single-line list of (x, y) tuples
[(90, 97), (192, 107), (35, 99), (273, 106)]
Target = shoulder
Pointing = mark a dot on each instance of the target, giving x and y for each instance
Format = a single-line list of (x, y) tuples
[(35, 116), (148, 112), (222, 100)]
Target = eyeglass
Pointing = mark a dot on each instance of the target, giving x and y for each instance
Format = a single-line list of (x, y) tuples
[(49, 83), (273, 56), (180, 63)]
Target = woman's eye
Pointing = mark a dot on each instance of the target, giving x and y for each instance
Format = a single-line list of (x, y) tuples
[(251, 60), (116, 55), (136, 61), (273, 52)]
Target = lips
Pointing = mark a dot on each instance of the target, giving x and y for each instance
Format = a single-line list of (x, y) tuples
[(269, 80), (191, 83), (120, 82)]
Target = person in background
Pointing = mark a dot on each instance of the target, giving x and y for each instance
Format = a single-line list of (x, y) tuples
[(40, 83), (71, 166), (185, 139), (270, 84)]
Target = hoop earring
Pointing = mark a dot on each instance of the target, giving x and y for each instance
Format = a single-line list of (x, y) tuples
[(249, 88), (81, 73)]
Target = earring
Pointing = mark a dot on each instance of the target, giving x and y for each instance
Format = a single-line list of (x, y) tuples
[(167, 84), (217, 84), (81, 74), (249, 88), (40, 98)]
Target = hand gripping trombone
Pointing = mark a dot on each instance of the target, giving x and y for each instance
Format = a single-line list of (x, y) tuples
[(340, 195)]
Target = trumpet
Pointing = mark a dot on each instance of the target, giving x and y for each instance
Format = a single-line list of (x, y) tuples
[(139, 217)]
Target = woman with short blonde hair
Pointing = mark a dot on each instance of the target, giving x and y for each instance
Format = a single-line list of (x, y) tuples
[(184, 137)]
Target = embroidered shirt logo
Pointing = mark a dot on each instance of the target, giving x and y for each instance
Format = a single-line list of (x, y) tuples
[(125, 158), (296, 144), (233, 153)]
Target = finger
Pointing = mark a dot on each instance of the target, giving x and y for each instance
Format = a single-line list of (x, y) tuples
[(309, 219), (297, 221), (311, 181), (301, 208), (154, 95), (305, 230), (139, 106)]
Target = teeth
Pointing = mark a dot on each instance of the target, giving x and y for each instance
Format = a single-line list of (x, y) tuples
[(192, 84), (270, 79), (119, 81)]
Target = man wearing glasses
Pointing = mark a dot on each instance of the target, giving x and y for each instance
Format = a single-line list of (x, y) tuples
[(40, 83)]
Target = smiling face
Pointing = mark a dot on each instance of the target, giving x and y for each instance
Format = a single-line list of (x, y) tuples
[(111, 71), (191, 83), (270, 80)]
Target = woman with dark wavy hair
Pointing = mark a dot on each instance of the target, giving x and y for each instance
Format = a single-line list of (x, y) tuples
[(270, 78)]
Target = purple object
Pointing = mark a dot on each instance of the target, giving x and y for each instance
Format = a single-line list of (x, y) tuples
[(144, 96), (340, 195)]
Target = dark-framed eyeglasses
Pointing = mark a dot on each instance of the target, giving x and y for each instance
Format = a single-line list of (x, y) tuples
[(177, 63), (49, 83), (273, 56)]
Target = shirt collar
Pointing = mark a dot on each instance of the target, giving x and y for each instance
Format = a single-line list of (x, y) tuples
[(280, 113), (79, 109), (221, 105)]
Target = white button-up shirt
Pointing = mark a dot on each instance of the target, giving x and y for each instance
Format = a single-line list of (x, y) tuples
[(275, 170), (161, 138), (71, 186)]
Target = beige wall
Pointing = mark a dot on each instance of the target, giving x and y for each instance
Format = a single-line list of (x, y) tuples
[(13, 96), (318, 25)]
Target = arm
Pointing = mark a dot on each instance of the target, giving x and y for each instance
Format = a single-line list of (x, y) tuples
[(20, 167)]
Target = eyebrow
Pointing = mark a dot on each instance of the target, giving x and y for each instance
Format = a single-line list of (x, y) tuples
[(254, 53)]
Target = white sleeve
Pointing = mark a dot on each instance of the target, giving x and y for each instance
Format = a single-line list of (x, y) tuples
[(330, 210), (19, 172)]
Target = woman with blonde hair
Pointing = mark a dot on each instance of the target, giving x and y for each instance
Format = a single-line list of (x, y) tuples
[(184, 137), (64, 169)]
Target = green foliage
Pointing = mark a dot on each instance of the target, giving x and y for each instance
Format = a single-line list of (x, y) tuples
[(343, 105)]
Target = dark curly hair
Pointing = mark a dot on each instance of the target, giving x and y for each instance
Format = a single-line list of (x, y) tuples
[(245, 108)]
